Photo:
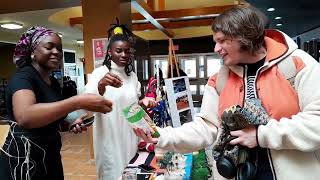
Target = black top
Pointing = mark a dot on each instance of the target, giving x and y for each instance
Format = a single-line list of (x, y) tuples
[(251, 78), (29, 78), (253, 68), (263, 166)]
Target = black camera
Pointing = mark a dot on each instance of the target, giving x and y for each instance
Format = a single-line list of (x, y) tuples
[(244, 169)]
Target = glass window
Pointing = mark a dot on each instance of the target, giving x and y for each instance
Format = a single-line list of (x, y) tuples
[(201, 89), (193, 89), (189, 66), (201, 66), (135, 65), (145, 88), (162, 64), (145, 69), (197, 109), (213, 65)]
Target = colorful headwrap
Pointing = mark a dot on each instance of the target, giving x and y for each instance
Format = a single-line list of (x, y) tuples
[(27, 44)]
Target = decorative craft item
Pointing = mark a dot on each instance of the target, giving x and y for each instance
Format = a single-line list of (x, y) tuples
[(137, 117)]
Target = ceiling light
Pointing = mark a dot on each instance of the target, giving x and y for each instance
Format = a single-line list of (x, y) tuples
[(11, 25), (80, 41), (271, 9), (279, 24), (278, 17)]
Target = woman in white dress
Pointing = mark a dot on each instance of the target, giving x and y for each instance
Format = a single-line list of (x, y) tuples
[(115, 143)]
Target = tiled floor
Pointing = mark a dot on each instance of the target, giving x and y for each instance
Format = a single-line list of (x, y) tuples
[(76, 157)]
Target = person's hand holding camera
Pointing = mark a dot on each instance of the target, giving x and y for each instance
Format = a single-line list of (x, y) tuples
[(243, 122), (245, 137)]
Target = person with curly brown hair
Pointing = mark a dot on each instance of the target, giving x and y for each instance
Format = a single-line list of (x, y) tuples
[(266, 67)]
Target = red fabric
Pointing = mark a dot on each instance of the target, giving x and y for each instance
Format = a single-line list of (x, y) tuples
[(152, 88)]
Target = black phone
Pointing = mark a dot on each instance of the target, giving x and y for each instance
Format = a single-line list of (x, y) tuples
[(88, 121)]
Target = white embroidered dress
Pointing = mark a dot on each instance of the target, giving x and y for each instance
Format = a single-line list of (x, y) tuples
[(115, 143)]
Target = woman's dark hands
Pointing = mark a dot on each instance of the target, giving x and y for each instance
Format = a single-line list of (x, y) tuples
[(95, 103), (77, 125), (109, 80)]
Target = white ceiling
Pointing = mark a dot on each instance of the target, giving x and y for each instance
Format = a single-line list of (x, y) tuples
[(34, 18), (71, 34)]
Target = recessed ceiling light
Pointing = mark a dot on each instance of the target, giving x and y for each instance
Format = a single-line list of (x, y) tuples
[(278, 17), (11, 25), (80, 41), (271, 9), (279, 24)]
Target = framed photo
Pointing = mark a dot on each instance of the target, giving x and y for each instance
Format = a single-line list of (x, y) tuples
[(179, 85), (99, 51), (185, 116), (180, 100)]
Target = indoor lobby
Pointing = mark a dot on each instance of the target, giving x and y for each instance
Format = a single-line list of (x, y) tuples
[(166, 34)]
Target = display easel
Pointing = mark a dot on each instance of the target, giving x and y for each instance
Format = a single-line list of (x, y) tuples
[(172, 59), (178, 92)]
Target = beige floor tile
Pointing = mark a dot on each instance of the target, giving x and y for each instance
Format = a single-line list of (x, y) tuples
[(76, 160)]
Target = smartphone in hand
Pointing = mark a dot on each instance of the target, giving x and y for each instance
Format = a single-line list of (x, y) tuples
[(87, 121)]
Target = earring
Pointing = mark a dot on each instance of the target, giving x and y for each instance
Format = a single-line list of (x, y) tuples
[(33, 57)]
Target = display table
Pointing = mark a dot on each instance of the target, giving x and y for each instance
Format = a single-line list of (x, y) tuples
[(149, 166)]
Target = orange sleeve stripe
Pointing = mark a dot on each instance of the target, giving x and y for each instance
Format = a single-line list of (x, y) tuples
[(298, 63), (212, 81)]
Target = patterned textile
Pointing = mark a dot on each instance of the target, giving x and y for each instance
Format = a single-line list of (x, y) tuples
[(27, 44), (251, 80), (152, 88), (236, 118)]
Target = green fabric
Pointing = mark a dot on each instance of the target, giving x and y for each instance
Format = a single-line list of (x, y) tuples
[(134, 118), (200, 167), (156, 134)]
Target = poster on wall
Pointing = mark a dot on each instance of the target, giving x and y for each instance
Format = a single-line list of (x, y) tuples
[(180, 100), (99, 51)]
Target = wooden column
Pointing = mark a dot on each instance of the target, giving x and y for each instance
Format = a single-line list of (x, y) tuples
[(151, 4), (161, 5)]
